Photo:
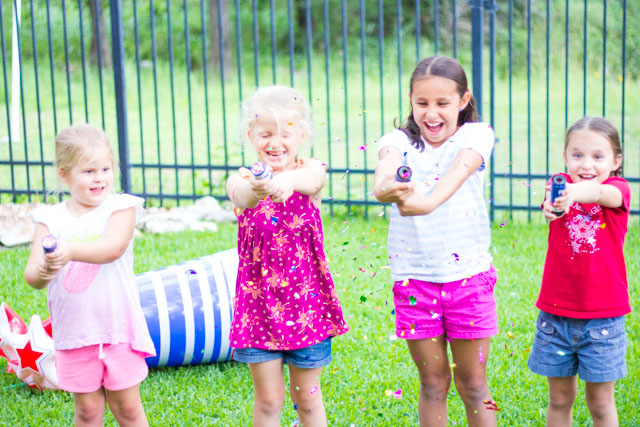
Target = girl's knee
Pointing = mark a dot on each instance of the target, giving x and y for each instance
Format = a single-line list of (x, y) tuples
[(561, 401), (309, 404), (434, 387), (601, 406), (89, 411), (473, 389), (128, 411), (269, 404)]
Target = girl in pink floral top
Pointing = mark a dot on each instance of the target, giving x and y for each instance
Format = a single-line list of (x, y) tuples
[(286, 307)]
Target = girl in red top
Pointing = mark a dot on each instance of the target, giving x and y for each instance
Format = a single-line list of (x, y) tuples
[(584, 294)]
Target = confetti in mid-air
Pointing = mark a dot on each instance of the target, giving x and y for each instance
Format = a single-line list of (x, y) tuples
[(313, 390), (491, 405), (412, 300), (562, 353)]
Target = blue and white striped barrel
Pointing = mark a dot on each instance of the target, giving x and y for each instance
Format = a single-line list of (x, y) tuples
[(188, 309)]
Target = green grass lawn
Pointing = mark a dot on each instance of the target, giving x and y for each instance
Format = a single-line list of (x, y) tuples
[(366, 363)]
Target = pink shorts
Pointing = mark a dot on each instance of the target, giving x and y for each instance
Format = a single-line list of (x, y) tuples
[(464, 309), (82, 371)]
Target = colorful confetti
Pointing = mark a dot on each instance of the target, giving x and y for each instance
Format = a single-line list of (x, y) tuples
[(491, 405), (398, 394), (412, 300), (313, 390), (480, 355)]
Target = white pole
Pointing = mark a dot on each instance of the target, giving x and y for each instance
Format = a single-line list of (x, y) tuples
[(15, 76)]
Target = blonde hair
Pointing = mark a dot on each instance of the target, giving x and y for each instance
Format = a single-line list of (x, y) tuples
[(80, 142), (280, 102)]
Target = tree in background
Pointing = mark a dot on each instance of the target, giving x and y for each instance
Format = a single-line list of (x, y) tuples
[(99, 40), (215, 31)]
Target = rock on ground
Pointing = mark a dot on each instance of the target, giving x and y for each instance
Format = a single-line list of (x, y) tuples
[(17, 227)]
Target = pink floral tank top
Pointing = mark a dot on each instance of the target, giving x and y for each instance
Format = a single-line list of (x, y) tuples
[(285, 297)]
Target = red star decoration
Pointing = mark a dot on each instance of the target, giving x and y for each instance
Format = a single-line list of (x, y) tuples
[(29, 357)]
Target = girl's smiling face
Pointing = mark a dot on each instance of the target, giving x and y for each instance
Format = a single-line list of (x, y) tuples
[(90, 181), (277, 142), (436, 105), (590, 156)]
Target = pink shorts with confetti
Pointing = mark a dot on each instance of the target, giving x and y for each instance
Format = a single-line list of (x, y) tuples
[(464, 309), (87, 369)]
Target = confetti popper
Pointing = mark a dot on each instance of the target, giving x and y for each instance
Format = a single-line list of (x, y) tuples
[(261, 170), (49, 244), (558, 184), (404, 172)]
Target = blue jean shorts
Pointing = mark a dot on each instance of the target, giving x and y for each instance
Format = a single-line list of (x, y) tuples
[(593, 348), (315, 356)]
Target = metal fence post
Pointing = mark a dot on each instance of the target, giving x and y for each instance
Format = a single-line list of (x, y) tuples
[(476, 50), (117, 52)]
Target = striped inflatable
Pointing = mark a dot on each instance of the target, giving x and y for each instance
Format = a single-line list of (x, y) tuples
[(188, 309)]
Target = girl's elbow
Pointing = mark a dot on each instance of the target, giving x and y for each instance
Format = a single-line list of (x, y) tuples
[(34, 281), (113, 253), (379, 195)]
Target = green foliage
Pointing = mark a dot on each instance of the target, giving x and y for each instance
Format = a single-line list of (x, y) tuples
[(367, 363), (172, 18), (578, 44)]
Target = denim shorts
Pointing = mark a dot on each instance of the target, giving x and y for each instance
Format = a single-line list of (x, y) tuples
[(593, 348), (315, 356)]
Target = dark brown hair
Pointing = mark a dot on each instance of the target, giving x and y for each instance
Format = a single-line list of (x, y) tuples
[(602, 127), (449, 68)]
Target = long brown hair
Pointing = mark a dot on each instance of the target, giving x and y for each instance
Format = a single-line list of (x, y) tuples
[(449, 68)]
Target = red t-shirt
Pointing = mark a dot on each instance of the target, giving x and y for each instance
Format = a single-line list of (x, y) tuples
[(584, 274)]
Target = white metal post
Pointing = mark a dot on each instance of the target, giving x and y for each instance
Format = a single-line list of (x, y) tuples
[(15, 73)]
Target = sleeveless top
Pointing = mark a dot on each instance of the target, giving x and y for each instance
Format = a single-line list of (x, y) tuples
[(285, 296)]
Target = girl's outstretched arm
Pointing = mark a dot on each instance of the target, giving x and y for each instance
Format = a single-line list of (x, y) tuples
[(466, 162), (107, 249), (385, 187), (591, 192), (37, 272), (245, 191), (309, 178)]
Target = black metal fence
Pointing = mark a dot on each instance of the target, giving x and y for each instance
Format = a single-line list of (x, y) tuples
[(166, 80)]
